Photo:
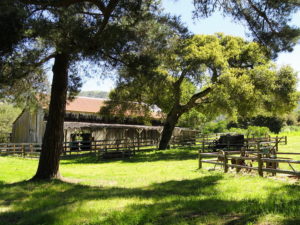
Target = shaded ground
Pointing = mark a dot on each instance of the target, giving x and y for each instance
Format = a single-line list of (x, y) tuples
[(155, 188), (193, 201), (181, 154)]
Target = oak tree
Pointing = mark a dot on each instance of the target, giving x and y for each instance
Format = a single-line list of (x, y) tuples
[(213, 74)]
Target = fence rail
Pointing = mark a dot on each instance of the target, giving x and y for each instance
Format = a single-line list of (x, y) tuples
[(97, 146), (265, 162), (119, 146), (23, 149)]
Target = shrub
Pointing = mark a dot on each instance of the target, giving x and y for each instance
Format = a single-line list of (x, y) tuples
[(287, 129), (273, 123), (238, 130), (257, 131), (215, 127), (251, 131)]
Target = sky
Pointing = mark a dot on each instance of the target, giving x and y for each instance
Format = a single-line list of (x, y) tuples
[(211, 25)]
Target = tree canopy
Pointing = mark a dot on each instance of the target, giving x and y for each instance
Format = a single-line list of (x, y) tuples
[(67, 32), (214, 74), (8, 114), (268, 21)]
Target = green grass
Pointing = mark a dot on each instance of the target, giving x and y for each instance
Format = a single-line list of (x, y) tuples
[(153, 188)]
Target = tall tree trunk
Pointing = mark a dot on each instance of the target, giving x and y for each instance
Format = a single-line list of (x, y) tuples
[(169, 126), (53, 138)]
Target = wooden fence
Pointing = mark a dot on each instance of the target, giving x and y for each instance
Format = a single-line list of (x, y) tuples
[(23, 149), (125, 147), (209, 143), (121, 147), (265, 158)]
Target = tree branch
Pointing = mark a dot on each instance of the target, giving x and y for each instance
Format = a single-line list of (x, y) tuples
[(262, 14), (64, 3), (215, 76), (113, 58), (46, 59), (192, 102), (89, 13), (54, 3), (107, 11)]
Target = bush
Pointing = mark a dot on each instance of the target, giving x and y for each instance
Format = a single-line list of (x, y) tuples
[(287, 129), (238, 130), (273, 123), (251, 131), (257, 131), (215, 127)]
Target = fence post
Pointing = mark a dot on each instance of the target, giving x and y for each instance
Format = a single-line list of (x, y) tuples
[(225, 162), (30, 150), (98, 153), (64, 147), (285, 140), (228, 144), (274, 164), (199, 160), (260, 164), (276, 144), (258, 146), (203, 143), (23, 151), (138, 148)]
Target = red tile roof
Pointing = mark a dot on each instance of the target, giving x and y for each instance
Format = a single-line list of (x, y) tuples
[(93, 105), (85, 104)]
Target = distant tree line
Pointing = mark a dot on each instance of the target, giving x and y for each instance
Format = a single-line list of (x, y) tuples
[(8, 114), (94, 94)]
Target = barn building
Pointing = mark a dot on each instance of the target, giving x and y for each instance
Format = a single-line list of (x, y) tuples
[(83, 123)]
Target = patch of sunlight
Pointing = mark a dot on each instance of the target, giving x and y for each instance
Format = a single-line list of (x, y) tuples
[(4, 209), (118, 204), (273, 219)]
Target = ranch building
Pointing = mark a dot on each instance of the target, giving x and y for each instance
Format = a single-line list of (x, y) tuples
[(84, 123)]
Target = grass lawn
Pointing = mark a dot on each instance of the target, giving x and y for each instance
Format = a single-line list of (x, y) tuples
[(154, 188)]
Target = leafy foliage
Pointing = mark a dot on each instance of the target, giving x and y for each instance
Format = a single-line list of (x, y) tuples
[(213, 74), (289, 129), (94, 94), (192, 119), (12, 18), (215, 127), (267, 21), (252, 131), (272, 122), (83, 30), (8, 114)]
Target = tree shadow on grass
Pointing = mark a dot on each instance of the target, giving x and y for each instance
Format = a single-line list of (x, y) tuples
[(191, 201), (166, 155)]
